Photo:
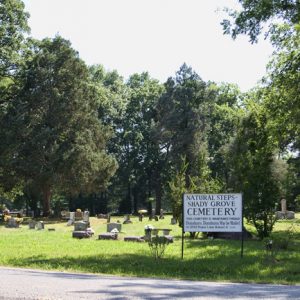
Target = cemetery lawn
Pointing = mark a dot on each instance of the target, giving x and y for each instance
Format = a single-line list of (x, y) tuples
[(204, 259)]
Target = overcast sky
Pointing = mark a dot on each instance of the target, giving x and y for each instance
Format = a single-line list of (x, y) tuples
[(157, 36)]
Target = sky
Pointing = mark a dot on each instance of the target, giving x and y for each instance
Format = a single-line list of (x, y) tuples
[(157, 36)]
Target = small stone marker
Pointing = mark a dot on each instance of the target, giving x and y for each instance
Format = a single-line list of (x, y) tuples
[(138, 239), (173, 221), (111, 226), (86, 216), (283, 205), (161, 214), (108, 236), (12, 223), (127, 220), (40, 225), (31, 224), (290, 215)]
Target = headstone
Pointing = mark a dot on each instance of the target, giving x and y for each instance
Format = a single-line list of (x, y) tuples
[(279, 215), (127, 220), (31, 224), (80, 226), (152, 215), (40, 225), (173, 221), (161, 214), (283, 205), (108, 236), (80, 234), (86, 216), (290, 215), (138, 239), (112, 226), (72, 216), (12, 223), (78, 215)]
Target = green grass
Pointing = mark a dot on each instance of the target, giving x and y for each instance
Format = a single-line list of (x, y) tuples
[(204, 259)]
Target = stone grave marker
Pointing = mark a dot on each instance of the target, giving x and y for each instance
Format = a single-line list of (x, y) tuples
[(31, 224), (127, 220), (161, 214), (112, 226), (12, 223), (86, 216), (40, 225), (173, 221), (80, 226)]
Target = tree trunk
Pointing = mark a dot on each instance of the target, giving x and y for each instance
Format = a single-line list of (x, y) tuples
[(46, 201), (158, 193)]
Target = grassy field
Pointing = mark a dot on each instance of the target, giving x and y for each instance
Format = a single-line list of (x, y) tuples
[(204, 259)]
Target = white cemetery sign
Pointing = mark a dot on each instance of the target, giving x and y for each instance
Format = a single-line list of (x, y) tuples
[(212, 213)]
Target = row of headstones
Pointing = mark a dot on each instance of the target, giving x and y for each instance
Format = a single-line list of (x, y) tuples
[(141, 216), (12, 223)]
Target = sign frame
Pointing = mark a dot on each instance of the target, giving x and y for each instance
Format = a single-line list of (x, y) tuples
[(221, 212)]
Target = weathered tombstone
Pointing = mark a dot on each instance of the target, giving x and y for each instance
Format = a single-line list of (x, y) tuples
[(80, 226), (111, 226), (161, 214), (283, 205), (86, 216), (152, 215), (127, 220), (173, 221), (40, 225), (12, 223), (279, 215), (290, 215), (78, 215), (72, 218), (31, 224)]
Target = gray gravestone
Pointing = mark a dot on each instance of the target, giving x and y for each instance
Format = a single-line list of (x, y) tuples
[(283, 205), (31, 224), (12, 223), (161, 214), (111, 226), (80, 226), (290, 215), (40, 225), (127, 220), (86, 216)]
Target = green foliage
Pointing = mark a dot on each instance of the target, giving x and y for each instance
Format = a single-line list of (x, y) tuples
[(51, 132), (14, 25), (157, 245), (254, 14), (201, 183), (252, 157)]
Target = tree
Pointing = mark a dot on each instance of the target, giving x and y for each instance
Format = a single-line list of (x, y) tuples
[(13, 21), (182, 118), (252, 160), (255, 13), (51, 135)]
